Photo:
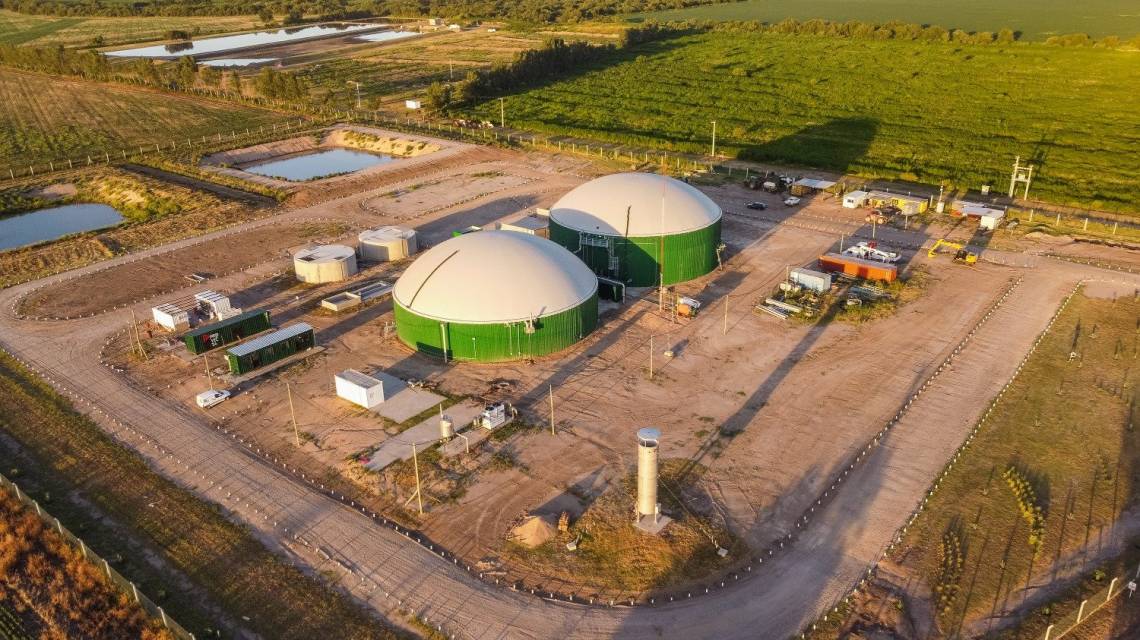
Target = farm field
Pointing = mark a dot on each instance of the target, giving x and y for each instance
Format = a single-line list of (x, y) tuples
[(1097, 18), (68, 454), (1065, 429), (44, 118), (889, 109), (18, 28), (397, 70)]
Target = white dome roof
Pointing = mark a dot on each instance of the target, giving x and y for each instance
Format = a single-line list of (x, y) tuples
[(600, 206), (494, 276)]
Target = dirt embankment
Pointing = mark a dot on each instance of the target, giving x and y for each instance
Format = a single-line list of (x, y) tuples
[(380, 144), (127, 283)]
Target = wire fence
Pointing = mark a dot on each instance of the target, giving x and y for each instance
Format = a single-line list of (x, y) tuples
[(114, 577), (1091, 605)]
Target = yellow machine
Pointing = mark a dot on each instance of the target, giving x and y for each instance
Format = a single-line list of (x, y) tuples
[(962, 254)]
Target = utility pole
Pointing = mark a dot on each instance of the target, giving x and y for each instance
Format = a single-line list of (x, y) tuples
[(552, 432), (416, 466), (725, 316), (209, 376), (650, 357), (357, 84), (450, 70), (296, 431), (502, 114), (1021, 174), (137, 336), (714, 139)]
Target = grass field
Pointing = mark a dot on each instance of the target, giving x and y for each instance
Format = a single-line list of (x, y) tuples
[(893, 109), (18, 28), (69, 455), (1066, 425), (1043, 19), (404, 69), (44, 118)]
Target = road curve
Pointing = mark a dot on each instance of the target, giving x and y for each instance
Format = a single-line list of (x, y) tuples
[(394, 574)]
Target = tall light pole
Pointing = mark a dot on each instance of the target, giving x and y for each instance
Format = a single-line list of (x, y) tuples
[(357, 85), (502, 114), (714, 139)]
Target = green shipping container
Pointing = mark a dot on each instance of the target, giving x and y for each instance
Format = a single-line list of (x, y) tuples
[(227, 331), (499, 341), (634, 260), (270, 348)]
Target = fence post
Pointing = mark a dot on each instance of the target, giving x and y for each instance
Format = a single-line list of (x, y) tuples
[(1081, 611), (1048, 632), (1110, 586)]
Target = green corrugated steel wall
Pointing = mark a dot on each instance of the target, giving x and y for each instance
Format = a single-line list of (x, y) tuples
[(687, 255), (222, 333), (270, 353), (496, 341)]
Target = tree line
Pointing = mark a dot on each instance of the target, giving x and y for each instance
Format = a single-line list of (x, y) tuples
[(554, 58), (183, 74)]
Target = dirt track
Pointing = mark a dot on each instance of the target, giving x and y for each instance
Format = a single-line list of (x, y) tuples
[(803, 399), (102, 290)]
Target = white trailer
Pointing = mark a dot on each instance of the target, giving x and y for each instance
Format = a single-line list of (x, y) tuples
[(359, 389), (811, 280)]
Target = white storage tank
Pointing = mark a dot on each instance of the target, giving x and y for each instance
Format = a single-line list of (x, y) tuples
[(327, 263), (387, 244), (359, 389)]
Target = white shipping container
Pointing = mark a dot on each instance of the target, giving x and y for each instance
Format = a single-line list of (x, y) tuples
[(811, 280), (412, 104), (171, 317), (359, 389)]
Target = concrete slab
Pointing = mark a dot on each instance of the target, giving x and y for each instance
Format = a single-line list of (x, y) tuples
[(424, 434), (653, 526), (401, 401)]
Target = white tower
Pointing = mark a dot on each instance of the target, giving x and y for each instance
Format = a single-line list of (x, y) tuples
[(648, 516), (647, 441)]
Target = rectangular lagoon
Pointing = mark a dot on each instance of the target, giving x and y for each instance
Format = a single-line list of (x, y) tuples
[(319, 164), (385, 36), (48, 224), (239, 41)]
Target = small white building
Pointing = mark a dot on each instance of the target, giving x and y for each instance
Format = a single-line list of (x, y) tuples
[(988, 217), (413, 104), (359, 389), (855, 199), (531, 225), (811, 280)]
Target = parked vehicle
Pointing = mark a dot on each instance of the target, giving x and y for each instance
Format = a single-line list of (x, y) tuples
[(759, 206), (771, 186), (791, 201), (207, 399), (881, 215), (872, 251)]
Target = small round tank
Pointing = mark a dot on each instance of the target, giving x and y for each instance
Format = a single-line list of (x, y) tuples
[(446, 428)]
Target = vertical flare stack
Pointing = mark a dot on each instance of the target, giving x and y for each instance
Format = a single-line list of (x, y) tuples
[(647, 441)]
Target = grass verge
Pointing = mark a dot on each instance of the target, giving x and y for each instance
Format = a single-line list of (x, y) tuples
[(71, 456)]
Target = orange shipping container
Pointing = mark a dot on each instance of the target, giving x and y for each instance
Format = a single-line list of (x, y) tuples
[(858, 267)]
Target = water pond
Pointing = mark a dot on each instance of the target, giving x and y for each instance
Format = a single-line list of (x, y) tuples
[(237, 41), (319, 164), (48, 224)]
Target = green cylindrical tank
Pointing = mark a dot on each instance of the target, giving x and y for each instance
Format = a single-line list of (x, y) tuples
[(491, 296), (640, 228), (218, 334)]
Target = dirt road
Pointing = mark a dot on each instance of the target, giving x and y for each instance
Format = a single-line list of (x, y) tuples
[(394, 574)]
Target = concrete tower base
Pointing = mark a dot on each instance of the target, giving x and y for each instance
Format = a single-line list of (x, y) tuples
[(652, 525)]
